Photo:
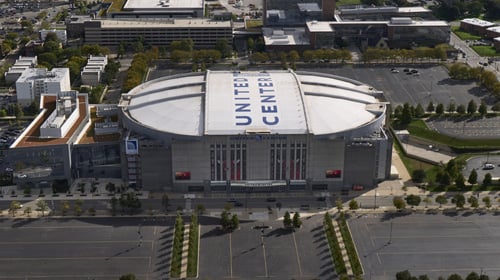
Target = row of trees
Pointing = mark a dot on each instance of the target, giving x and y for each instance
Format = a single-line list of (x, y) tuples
[(138, 69), (406, 113), (453, 10), (228, 222), (404, 55), (175, 265), (192, 265), (459, 200), (406, 275), (294, 222), (483, 77), (450, 175)]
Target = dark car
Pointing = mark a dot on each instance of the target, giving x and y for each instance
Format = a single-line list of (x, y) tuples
[(237, 204), (271, 199)]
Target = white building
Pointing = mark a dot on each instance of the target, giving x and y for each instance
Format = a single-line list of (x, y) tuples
[(92, 72), (62, 119), (60, 33), (37, 81), (21, 64)]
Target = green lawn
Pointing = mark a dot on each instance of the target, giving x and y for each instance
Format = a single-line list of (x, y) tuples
[(116, 5), (485, 50), (348, 2), (464, 35)]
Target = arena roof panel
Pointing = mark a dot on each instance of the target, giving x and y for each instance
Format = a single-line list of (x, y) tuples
[(232, 103), (253, 100)]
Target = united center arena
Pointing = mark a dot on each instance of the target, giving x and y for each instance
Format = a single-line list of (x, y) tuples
[(255, 131)]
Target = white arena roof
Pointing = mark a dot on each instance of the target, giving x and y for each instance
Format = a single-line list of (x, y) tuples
[(232, 103)]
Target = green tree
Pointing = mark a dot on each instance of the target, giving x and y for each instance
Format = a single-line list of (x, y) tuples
[(27, 211), (441, 199), (471, 107), (413, 200), (419, 111), (461, 109), (130, 201), (200, 209), (403, 275), (406, 115), (250, 44), (129, 276), (460, 181), (225, 221), (235, 222), (14, 206), (459, 200), (287, 220), (339, 204), (64, 207), (296, 220), (487, 201), (399, 202), (430, 107), (451, 107), (474, 203), (440, 109), (223, 47), (482, 109), (418, 175), (42, 206), (472, 177), (353, 205), (454, 277), (487, 179)]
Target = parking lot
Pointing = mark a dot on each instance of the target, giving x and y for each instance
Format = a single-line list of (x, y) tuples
[(431, 84), (478, 163), (253, 252), (90, 248), (432, 244)]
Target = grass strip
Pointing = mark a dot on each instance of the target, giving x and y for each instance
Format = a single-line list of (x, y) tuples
[(192, 265), (333, 243), (349, 246), (175, 265)]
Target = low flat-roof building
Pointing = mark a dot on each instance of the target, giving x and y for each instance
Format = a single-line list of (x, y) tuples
[(475, 26), (92, 72), (161, 9), (204, 33), (36, 81), (493, 32), (285, 39), (21, 64), (61, 35), (398, 32)]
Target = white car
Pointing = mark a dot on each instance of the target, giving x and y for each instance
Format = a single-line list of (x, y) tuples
[(394, 70)]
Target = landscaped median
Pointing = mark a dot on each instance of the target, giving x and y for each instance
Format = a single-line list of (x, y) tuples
[(184, 262), (342, 243)]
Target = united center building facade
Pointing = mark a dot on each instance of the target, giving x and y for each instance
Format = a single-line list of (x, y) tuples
[(254, 132)]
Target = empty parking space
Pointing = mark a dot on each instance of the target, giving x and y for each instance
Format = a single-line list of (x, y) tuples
[(436, 245), (249, 253), (431, 84), (82, 249)]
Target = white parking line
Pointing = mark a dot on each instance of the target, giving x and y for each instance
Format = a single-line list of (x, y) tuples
[(230, 257), (264, 255), (297, 253)]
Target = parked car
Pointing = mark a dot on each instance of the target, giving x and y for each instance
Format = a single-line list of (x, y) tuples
[(271, 199), (488, 166)]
